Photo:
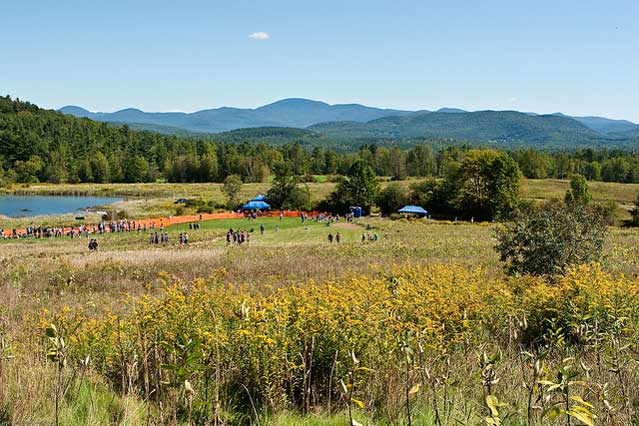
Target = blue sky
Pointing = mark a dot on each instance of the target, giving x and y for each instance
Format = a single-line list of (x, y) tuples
[(575, 56)]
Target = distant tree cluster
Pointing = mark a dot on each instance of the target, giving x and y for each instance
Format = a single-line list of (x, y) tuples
[(483, 184), (597, 165)]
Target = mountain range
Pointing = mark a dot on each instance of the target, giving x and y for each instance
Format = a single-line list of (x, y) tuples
[(354, 121), (298, 113)]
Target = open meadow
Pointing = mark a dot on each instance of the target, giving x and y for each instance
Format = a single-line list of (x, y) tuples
[(420, 327), (158, 199)]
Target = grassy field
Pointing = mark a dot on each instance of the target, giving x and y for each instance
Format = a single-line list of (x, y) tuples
[(144, 200), (452, 269)]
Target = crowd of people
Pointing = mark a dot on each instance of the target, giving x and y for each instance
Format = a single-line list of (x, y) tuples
[(239, 237), (158, 236), (49, 232)]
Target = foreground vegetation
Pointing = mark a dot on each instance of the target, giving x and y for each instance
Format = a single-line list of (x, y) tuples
[(266, 333)]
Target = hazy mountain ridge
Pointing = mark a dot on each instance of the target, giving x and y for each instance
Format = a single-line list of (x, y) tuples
[(349, 123), (303, 113), (293, 112)]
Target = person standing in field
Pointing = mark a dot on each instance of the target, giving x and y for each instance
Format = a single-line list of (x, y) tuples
[(338, 238), (261, 229), (330, 237)]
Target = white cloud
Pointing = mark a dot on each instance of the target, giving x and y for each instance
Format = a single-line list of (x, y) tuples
[(260, 35), (513, 100)]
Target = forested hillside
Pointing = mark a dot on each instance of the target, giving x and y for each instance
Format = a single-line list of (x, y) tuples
[(38, 145), (506, 128)]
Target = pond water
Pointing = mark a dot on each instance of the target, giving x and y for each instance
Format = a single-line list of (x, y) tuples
[(39, 205)]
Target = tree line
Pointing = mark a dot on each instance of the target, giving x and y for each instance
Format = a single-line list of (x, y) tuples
[(38, 145)]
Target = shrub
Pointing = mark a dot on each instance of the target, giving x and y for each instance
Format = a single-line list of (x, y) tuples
[(547, 239)]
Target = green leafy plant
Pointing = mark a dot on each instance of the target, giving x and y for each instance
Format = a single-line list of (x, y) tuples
[(563, 399)]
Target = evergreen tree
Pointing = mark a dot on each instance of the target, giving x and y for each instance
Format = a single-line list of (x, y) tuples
[(579, 193)]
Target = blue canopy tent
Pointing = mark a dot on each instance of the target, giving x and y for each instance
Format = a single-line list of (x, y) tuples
[(259, 197), (416, 210), (256, 205)]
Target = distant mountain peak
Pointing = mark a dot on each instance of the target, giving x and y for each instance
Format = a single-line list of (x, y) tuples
[(294, 102), (451, 110), (129, 110), (73, 110)]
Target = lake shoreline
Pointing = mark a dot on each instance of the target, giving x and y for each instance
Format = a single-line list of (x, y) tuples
[(33, 206)]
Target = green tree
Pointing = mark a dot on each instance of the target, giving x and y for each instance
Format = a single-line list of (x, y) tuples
[(392, 198), (579, 193), (615, 169), (208, 168), (28, 171), (85, 172), (592, 170), (100, 168), (55, 168), (116, 172), (231, 189), (420, 161), (546, 240), (486, 185), (434, 195), (533, 164), (136, 170), (358, 188), (286, 193)]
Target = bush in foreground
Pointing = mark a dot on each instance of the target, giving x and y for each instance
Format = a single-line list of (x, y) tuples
[(545, 240)]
